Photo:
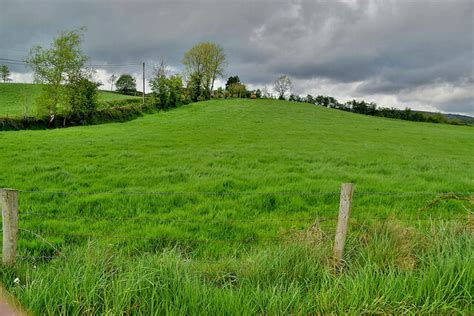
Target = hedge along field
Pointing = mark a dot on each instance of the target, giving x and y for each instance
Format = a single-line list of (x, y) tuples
[(16, 97), (231, 227)]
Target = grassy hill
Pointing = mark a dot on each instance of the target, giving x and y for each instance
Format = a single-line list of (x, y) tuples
[(16, 97), (214, 207)]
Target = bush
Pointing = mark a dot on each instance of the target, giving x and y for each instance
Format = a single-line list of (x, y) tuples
[(112, 114)]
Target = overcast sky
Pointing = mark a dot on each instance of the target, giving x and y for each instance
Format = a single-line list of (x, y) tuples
[(399, 53)]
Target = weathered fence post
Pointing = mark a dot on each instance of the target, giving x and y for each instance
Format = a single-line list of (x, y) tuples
[(345, 203), (9, 201)]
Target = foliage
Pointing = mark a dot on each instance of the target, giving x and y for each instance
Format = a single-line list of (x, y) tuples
[(194, 89), (282, 86), (231, 80), (5, 73), (82, 97), (237, 90), (204, 63), (220, 93), (126, 84), (266, 253), (61, 65), (114, 111), (294, 97), (167, 90), (362, 107)]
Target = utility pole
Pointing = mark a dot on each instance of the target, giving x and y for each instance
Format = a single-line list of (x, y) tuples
[(143, 83)]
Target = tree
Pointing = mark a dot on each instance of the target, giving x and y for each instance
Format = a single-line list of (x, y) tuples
[(159, 85), (81, 97), (175, 84), (204, 63), (167, 91), (238, 90), (194, 87), (5, 73), (309, 99), (326, 101), (58, 68), (232, 80), (282, 85), (112, 80), (219, 93), (126, 84)]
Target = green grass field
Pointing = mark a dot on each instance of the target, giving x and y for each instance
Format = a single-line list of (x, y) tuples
[(16, 99), (230, 222)]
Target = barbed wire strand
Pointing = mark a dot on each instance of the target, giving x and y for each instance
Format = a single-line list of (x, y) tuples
[(166, 220), (224, 220), (218, 193)]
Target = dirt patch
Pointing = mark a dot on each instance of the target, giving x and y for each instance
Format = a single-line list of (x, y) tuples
[(8, 307)]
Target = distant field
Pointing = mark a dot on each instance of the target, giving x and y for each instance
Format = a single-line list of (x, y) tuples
[(213, 208), (16, 97)]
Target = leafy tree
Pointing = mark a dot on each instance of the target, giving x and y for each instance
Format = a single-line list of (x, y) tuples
[(238, 90), (204, 63), (258, 93), (159, 85), (326, 101), (58, 68), (309, 99), (282, 85), (194, 87), (219, 93), (295, 98), (176, 90), (167, 91), (126, 84), (5, 73), (81, 98), (232, 80)]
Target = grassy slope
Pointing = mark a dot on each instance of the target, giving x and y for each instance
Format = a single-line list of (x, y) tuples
[(242, 145), (14, 97)]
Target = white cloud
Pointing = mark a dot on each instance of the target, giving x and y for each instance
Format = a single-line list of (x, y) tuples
[(22, 77)]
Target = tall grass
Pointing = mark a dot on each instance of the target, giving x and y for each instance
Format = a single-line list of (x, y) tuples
[(291, 278)]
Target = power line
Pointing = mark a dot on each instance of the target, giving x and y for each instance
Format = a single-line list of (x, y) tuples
[(13, 63), (113, 65), (11, 59), (19, 61)]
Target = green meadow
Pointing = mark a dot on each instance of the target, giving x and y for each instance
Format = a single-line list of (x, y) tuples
[(16, 99), (230, 207)]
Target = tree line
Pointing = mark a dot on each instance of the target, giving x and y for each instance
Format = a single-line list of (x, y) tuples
[(371, 108)]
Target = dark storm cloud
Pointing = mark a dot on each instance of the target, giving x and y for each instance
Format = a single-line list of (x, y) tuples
[(389, 47)]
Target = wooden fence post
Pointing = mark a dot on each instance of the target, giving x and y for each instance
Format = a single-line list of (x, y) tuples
[(347, 189), (9, 201)]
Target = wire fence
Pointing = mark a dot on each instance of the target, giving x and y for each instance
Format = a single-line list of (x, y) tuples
[(217, 193), (307, 222)]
